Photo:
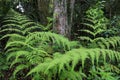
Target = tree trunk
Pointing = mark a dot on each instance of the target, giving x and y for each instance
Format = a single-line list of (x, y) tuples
[(61, 24), (72, 2), (43, 9)]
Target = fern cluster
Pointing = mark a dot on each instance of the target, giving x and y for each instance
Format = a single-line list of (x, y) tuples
[(63, 66), (95, 24), (48, 56), (28, 46), (14, 22), (67, 63)]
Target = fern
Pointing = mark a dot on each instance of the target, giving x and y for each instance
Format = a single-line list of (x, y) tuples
[(17, 23), (63, 62), (60, 63), (40, 37), (95, 25), (33, 47), (49, 56), (26, 45)]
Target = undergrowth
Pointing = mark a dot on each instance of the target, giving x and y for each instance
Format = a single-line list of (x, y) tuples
[(34, 54)]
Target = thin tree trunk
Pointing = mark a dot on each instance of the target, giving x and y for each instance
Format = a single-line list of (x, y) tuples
[(72, 2)]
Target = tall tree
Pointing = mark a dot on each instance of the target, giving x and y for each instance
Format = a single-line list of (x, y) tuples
[(61, 24)]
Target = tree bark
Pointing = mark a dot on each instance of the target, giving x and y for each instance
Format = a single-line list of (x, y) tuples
[(61, 24)]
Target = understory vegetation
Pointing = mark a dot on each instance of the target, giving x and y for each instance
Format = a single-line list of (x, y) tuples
[(33, 51)]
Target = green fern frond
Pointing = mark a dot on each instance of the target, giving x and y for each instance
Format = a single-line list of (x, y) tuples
[(12, 50), (88, 25), (15, 22), (87, 31), (17, 54), (75, 56), (13, 35), (9, 21), (95, 25), (11, 30), (98, 39), (25, 25), (10, 26), (29, 29), (90, 20), (85, 38), (48, 36), (17, 60), (19, 68), (99, 32), (20, 43), (114, 41)]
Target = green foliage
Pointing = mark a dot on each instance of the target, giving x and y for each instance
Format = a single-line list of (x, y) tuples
[(104, 73), (34, 54), (54, 64), (4, 65), (95, 22), (26, 45), (17, 23), (66, 63), (48, 27), (37, 47), (114, 27), (94, 27)]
